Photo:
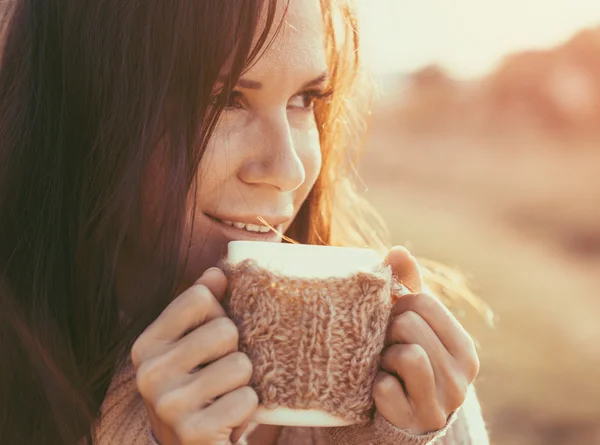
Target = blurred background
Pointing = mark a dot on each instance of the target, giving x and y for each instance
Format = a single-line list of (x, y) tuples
[(484, 154)]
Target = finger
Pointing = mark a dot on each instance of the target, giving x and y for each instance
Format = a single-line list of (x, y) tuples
[(451, 382), (156, 376), (221, 377), (391, 401), (191, 309), (410, 328), (234, 408), (410, 363), (205, 344), (227, 413), (194, 307), (203, 387), (447, 328), (405, 268), (401, 410), (215, 280)]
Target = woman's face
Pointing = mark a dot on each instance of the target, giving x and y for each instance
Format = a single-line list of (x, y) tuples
[(264, 155)]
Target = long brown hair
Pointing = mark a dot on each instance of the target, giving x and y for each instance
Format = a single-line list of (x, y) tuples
[(88, 88)]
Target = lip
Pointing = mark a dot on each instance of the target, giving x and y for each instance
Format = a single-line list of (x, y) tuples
[(235, 234)]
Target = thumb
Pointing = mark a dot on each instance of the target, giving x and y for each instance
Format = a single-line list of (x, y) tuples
[(405, 268)]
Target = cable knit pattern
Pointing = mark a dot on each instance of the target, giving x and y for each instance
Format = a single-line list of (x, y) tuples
[(124, 422), (314, 342)]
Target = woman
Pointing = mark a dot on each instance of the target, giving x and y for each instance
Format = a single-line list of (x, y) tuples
[(138, 138)]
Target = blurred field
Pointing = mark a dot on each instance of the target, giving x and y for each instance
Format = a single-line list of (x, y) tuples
[(515, 206)]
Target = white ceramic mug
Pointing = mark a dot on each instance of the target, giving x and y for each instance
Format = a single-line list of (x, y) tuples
[(303, 261)]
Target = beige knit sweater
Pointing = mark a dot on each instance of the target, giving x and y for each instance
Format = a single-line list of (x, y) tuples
[(124, 421)]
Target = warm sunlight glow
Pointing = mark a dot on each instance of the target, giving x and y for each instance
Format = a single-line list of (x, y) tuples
[(468, 37)]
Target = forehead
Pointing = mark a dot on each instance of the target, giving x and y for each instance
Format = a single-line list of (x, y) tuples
[(297, 51)]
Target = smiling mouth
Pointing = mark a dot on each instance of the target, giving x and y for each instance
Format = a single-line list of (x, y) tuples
[(248, 227), (257, 228)]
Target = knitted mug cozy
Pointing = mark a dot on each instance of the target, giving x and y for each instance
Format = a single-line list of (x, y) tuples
[(314, 342)]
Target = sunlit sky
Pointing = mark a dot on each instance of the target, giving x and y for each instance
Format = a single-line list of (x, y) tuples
[(468, 37)]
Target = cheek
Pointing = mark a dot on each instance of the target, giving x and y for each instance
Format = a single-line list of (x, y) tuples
[(221, 157)]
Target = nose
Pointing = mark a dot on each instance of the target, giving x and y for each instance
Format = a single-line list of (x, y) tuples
[(274, 161)]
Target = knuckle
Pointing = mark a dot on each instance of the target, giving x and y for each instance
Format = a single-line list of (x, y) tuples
[(415, 356), (473, 367), (243, 364), (398, 324), (200, 297), (168, 406), (148, 377), (226, 329), (138, 352), (424, 302), (472, 362), (250, 397), (191, 430), (437, 420), (456, 393), (409, 319), (401, 326), (384, 383)]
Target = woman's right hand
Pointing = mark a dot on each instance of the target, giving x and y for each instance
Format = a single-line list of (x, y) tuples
[(189, 372)]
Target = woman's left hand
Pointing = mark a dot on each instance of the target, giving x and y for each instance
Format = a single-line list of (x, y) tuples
[(429, 360)]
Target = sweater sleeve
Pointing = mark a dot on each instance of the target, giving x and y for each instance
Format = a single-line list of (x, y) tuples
[(469, 428), (465, 427), (123, 418)]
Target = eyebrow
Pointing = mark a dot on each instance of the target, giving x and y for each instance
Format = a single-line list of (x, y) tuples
[(255, 85)]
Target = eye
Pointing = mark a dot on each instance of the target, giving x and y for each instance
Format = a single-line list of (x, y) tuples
[(306, 100), (231, 101)]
